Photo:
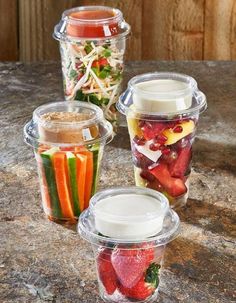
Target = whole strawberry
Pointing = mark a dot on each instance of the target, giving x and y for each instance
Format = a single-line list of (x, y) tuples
[(106, 271), (146, 286), (131, 263)]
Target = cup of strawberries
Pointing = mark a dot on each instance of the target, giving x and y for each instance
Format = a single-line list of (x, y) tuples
[(128, 266)]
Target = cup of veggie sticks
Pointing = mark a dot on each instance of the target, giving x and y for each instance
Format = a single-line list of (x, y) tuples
[(68, 139), (92, 46)]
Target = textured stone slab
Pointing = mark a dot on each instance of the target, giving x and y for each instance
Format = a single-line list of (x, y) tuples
[(42, 261)]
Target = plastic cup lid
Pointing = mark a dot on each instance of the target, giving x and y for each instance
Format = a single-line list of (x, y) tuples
[(169, 230), (112, 23), (187, 90), (67, 124)]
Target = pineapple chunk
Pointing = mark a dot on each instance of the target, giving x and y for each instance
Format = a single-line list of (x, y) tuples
[(188, 127), (139, 181), (134, 129)]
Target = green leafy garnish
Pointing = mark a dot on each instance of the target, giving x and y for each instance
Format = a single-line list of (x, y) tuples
[(117, 76), (106, 53), (103, 74), (94, 99), (80, 96), (73, 74), (95, 70), (104, 100), (107, 68), (88, 47)]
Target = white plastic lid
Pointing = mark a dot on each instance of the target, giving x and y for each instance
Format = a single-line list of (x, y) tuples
[(157, 225), (162, 94)]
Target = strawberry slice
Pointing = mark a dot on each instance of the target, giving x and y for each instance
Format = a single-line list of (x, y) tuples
[(146, 286), (179, 167), (174, 186), (106, 271), (130, 264), (152, 129)]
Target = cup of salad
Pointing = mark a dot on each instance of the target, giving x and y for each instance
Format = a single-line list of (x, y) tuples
[(68, 139), (162, 111), (92, 46)]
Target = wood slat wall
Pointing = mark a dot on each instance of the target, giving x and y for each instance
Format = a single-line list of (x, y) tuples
[(161, 29), (8, 30)]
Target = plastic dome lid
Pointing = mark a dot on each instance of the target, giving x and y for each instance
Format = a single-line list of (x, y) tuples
[(170, 223), (162, 94), (67, 124), (91, 23)]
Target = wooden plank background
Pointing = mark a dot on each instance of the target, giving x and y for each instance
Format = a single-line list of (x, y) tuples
[(161, 29)]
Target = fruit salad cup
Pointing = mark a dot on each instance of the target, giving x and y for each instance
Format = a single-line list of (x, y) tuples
[(129, 255), (162, 111), (92, 45), (68, 140)]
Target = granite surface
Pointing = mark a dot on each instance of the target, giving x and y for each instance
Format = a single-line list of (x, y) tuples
[(43, 261)]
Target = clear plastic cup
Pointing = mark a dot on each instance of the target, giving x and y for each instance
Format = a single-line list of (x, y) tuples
[(68, 139), (128, 266), (92, 45), (162, 111)]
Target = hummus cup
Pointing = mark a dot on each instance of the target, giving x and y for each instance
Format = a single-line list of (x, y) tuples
[(68, 139)]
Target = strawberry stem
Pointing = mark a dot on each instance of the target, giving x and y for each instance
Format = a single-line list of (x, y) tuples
[(152, 274)]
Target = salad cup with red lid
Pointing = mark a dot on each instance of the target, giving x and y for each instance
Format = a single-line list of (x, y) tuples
[(92, 45)]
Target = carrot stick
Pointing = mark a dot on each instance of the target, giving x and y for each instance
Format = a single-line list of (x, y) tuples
[(80, 148), (89, 177), (62, 181), (81, 177)]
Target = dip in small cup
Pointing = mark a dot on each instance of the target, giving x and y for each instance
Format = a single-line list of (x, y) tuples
[(137, 224), (68, 139), (162, 111), (92, 45)]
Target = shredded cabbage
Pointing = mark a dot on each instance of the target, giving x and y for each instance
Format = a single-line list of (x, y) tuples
[(92, 72)]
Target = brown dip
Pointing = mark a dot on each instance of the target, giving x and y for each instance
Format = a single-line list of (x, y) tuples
[(66, 127)]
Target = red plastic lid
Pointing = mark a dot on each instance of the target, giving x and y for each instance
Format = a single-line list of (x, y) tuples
[(91, 22)]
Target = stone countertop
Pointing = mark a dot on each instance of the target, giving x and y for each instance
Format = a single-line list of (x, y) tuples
[(43, 261)]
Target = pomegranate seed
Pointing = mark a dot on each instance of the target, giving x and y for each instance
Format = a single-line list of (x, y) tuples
[(178, 129), (139, 140), (166, 151), (141, 123), (171, 124), (173, 155), (161, 139), (148, 125), (154, 146)]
